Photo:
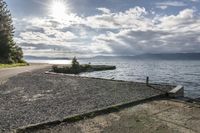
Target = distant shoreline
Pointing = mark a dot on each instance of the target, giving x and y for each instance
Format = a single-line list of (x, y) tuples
[(149, 56)]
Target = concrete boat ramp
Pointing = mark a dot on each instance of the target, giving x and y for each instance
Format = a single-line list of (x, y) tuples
[(38, 102), (158, 116)]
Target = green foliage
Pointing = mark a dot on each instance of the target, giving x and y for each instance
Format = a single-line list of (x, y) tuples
[(54, 68), (13, 65), (87, 67), (75, 69), (9, 51)]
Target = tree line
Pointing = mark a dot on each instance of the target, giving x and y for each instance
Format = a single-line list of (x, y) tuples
[(10, 52)]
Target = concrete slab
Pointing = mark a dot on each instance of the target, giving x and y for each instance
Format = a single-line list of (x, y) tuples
[(164, 116), (176, 92)]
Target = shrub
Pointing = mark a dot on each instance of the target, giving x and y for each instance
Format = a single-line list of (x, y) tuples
[(55, 68), (75, 69)]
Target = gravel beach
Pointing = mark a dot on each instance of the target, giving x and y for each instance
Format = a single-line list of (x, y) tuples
[(34, 97)]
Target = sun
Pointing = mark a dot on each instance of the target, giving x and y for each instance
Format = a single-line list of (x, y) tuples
[(58, 9)]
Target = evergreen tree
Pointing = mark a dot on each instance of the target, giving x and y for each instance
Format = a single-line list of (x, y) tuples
[(75, 66), (75, 63), (9, 51)]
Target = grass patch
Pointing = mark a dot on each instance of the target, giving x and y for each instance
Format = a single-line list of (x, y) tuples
[(13, 65)]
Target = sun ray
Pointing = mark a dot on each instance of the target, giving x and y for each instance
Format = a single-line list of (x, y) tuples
[(58, 9)]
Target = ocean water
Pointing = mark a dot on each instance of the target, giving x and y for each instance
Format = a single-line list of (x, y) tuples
[(175, 72)]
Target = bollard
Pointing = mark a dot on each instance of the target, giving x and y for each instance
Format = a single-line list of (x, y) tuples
[(147, 81)]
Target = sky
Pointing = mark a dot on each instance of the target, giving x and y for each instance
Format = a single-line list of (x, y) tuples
[(66, 28)]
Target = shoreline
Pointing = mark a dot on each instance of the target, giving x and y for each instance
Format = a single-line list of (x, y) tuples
[(37, 101), (35, 97)]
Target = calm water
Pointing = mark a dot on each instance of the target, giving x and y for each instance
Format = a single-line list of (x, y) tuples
[(186, 73)]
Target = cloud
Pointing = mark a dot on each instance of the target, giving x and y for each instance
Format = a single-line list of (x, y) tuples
[(48, 37), (194, 0), (129, 32), (184, 18), (133, 17), (170, 34), (164, 5), (104, 10)]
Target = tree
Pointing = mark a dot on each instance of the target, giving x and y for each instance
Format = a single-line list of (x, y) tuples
[(9, 51), (75, 66), (75, 63)]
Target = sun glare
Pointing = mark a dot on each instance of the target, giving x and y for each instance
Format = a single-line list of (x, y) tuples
[(58, 9)]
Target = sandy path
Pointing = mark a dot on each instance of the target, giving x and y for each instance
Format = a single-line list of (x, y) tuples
[(6, 73)]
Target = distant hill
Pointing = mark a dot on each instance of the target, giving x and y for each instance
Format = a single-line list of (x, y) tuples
[(44, 58), (166, 56), (170, 56)]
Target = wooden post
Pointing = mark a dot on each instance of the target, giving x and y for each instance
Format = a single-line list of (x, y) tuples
[(147, 81)]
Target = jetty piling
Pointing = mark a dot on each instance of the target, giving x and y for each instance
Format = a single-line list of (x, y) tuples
[(147, 81)]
